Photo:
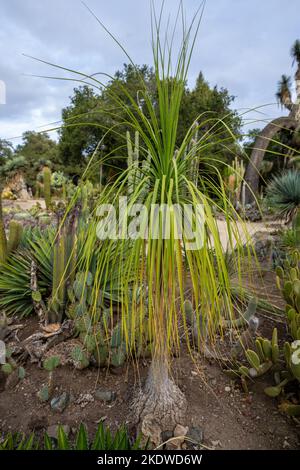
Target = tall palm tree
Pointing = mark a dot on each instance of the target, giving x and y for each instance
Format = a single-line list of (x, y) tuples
[(283, 95), (269, 132), (295, 53)]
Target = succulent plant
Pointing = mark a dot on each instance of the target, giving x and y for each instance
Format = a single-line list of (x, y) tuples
[(80, 358), (15, 235), (288, 280), (64, 265), (47, 187), (49, 364), (3, 240)]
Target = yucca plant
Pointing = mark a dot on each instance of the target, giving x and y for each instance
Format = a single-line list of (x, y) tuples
[(153, 269), (283, 194)]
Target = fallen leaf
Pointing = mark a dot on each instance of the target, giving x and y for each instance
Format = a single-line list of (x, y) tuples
[(51, 328)]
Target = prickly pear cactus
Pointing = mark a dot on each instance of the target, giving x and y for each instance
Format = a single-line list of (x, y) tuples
[(288, 281), (47, 187)]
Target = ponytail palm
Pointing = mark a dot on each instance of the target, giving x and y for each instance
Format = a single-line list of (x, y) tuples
[(153, 270)]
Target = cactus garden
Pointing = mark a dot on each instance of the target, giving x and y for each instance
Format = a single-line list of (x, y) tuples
[(150, 261)]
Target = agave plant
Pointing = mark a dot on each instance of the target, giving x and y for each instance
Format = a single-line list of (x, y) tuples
[(283, 194), (15, 291), (103, 439), (152, 270)]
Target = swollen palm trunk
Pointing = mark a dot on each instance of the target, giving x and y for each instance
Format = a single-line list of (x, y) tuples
[(160, 405)]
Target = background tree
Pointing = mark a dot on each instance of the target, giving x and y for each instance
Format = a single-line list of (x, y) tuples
[(90, 115), (6, 150), (275, 128), (38, 150)]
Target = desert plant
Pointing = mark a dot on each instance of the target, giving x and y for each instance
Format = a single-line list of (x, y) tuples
[(14, 235), (3, 240), (13, 166), (15, 290), (10, 365), (268, 356), (49, 364), (47, 187), (283, 194), (103, 439), (152, 270), (234, 179)]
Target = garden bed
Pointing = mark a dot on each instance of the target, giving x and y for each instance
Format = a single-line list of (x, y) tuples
[(218, 409)]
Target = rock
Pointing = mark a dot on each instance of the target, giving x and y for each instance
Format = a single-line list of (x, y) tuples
[(227, 389), (84, 399), (52, 430), (105, 395), (286, 444), (216, 443), (179, 432), (250, 212), (16, 184), (195, 434), (59, 403)]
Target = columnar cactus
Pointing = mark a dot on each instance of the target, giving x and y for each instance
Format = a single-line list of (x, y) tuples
[(15, 235), (3, 240), (58, 281), (47, 187)]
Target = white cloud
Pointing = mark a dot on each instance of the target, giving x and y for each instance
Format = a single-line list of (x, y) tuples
[(243, 46)]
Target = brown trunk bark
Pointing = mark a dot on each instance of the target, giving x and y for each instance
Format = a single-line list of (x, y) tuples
[(160, 405), (261, 144)]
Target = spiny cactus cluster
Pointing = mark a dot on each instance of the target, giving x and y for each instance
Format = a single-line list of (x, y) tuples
[(98, 347), (80, 295), (47, 187), (64, 264), (10, 366), (283, 362), (234, 180), (49, 364), (288, 281), (15, 234)]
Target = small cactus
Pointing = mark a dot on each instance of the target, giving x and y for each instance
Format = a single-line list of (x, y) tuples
[(49, 364), (15, 235), (80, 358)]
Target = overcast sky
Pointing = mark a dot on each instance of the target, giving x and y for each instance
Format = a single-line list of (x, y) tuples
[(242, 45)]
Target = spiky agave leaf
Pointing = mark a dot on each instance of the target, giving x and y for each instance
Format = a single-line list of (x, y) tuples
[(103, 439), (283, 194), (15, 292)]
